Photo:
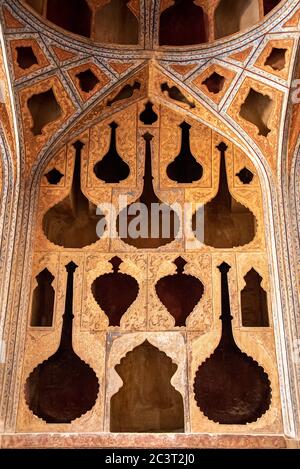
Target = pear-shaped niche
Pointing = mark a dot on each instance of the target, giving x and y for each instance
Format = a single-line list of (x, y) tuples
[(112, 168), (115, 292), (72, 222), (148, 223), (230, 387), (185, 168), (172, 292), (147, 402), (63, 387), (227, 223)]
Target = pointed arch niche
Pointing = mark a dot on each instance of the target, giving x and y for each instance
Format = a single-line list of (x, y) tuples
[(152, 398), (150, 319)]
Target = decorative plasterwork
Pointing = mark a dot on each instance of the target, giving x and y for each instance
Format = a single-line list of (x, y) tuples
[(268, 144), (227, 74), (287, 44)]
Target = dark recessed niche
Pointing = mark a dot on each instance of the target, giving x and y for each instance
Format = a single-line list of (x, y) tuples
[(183, 23), (116, 24), (148, 116), (112, 168), (37, 5), (269, 5), (172, 292), (254, 304), (44, 109), (115, 292), (175, 94), (72, 223), (230, 387), (257, 109), (147, 402), (87, 80), (125, 93), (214, 83), (232, 16), (276, 59), (72, 15), (43, 300), (185, 168), (156, 226), (245, 175), (54, 176), (63, 387), (26, 57), (224, 222)]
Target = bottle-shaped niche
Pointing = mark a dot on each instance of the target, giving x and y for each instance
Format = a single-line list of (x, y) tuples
[(185, 168), (230, 387), (227, 223), (112, 168), (148, 223), (72, 222), (115, 292), (172, 292), (63, 387)]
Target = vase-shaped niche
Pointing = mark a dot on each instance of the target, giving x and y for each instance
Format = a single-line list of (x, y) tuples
[(115, 292), (148, 223), (182, 24), (227, 223), (72, 222), (116, 24), (43, 300), (254, 303), (147, 402), (63, 387), (185, 168), (179, 293), (230, 387), (112, 168)]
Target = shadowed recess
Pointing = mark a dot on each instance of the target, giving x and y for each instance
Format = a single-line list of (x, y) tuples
[(43, 300), (73, 15), (172, 292), (54, 176), (276, 59), (37, 5), (148, 223), (148, 116), (269, 5), (183, 23), (185, 168), (72, 222), (63, 387), (44, 109), (26, 57), (115, 292), (230, 387), (232, 16), (112, 168), (254, 304), (175, 94), (257, 110), (224, 222), (125, 93), (214, 83), (87, 80), (116, 24), (147, 402)]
